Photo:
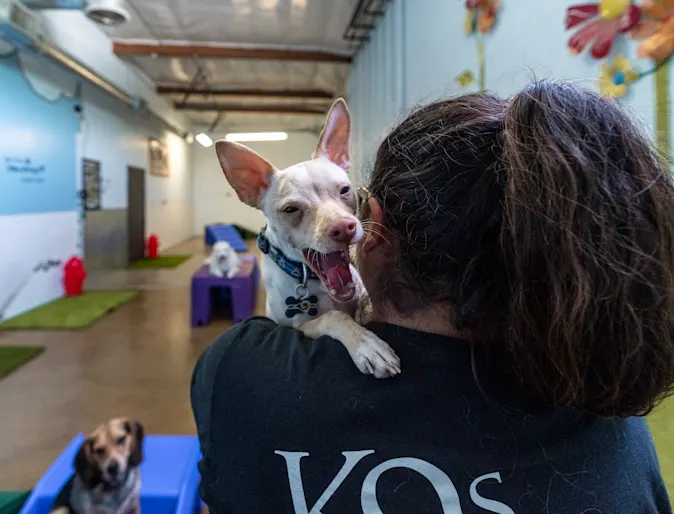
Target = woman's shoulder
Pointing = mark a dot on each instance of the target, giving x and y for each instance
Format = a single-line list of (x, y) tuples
[(259, 351), (248, 335), (251, 342)]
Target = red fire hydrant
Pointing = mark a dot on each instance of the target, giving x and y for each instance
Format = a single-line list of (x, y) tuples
[(74, 275), (152, 246)]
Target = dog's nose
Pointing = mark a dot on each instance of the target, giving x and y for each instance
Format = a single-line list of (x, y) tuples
[(342, 230), (113, 468)]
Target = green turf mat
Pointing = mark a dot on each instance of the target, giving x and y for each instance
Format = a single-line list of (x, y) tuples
[(662, 425), (163, 261), (70, 312), (11, 359), (12, 501)]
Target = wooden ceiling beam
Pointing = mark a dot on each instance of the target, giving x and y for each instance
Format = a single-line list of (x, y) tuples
[(123, 49), (310, 94), (250, 109)]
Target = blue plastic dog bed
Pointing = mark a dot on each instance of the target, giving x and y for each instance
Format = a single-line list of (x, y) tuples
[(170, 477), (221, 232)]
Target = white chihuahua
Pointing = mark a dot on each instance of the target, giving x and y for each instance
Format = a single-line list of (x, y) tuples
[(310, 209), (223, 260)]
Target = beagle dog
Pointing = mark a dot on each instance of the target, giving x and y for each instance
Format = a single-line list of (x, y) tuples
[(107, 474)]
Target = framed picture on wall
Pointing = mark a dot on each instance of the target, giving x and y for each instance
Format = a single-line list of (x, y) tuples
[(91, 182), (159, 166)]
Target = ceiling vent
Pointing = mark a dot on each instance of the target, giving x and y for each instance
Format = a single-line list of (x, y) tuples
[(104, 12), (18, 24), (107, 12)]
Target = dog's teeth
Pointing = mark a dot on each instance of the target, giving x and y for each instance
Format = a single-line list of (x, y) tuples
[(333, 291)]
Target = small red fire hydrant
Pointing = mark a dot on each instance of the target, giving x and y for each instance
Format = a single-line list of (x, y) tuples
[(74, 276), (152, 246)]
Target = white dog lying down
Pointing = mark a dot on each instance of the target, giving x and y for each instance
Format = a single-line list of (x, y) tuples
[(223, 260)]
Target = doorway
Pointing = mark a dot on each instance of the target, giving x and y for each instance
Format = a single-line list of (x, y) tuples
[(136, 213)]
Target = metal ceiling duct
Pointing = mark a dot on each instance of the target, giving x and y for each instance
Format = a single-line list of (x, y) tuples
[(54, 4)]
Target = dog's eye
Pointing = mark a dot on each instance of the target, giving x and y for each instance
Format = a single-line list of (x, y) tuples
[(290, 209), (345, 190), (99, 451), (120, 441)]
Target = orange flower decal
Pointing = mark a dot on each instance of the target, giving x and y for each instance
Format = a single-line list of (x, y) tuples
[(481, 15), (656, 30)]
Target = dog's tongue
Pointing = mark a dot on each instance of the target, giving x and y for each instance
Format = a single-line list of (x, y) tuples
[(339, 276), (338, 273)]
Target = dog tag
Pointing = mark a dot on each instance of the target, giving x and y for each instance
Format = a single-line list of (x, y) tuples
[(295, 306)]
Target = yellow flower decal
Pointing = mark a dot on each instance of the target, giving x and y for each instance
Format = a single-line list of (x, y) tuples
[(612, 9), (616, 76)]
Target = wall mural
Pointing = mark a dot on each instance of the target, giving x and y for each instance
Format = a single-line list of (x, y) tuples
[(650, 22), (38, 168)]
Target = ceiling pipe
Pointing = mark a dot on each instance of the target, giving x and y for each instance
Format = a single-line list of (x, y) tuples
[(313, 94), (251, 109), (54, 4), (140, 49), (136, 103)]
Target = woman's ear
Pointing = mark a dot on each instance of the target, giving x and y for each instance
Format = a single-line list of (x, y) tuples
[(136, 430), (85, 468), (378, 233)]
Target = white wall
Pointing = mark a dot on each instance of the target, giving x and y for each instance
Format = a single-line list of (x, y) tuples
[(214, 199), (118, 138)]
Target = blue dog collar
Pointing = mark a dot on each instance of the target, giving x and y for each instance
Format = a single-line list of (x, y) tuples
[(293, 268)]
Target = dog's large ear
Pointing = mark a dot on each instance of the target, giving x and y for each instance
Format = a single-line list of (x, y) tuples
[(247, 171), (334, 141), (136, 430), (85, 468)]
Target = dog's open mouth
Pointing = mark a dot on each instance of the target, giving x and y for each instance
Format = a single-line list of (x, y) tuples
[(333, 270)]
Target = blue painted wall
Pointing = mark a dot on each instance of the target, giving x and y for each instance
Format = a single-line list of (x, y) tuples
[(37, 147), (419, 48), (38, 182)]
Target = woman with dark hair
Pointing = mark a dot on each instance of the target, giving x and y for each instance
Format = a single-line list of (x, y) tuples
[(520, 260)]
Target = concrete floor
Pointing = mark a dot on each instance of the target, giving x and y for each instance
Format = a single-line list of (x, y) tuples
[(135, 362)]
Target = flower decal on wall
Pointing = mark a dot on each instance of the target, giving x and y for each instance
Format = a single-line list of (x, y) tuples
[(480, 19), (616, 76), (656, 30), (602, 22), (481, 15)]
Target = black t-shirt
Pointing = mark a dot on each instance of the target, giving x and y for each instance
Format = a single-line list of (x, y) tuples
[(289, 425)]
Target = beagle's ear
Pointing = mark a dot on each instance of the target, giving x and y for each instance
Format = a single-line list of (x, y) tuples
[(136, 430), (85, 468)]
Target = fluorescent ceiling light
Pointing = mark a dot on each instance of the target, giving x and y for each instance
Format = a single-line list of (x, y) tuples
[(204, 140), (257, 136)]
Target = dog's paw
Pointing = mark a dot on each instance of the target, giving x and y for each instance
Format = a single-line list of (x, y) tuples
[(374, 357)]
